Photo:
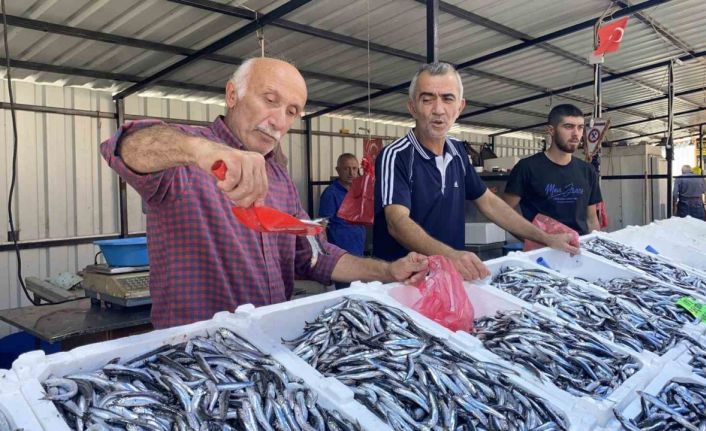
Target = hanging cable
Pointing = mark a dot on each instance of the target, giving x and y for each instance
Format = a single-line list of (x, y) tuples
[(13, 180)]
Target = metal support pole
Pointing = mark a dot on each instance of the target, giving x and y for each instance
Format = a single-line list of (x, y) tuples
[(122, 186), (670, 130), (432, 31), (597, 91), (492, 143), (597, 98), (701, 149), (308, 137)]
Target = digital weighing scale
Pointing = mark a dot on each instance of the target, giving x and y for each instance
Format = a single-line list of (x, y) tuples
[(122, 286)]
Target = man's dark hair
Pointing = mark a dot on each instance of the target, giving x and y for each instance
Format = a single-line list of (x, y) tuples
[(561, 111)]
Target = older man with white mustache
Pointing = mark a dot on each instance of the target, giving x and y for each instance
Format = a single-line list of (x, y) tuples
[(202, 260)]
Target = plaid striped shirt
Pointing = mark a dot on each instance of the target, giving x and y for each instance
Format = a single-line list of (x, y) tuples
[(202, 260)]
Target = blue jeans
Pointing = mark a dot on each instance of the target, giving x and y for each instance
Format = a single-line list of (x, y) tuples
[(694, 209)]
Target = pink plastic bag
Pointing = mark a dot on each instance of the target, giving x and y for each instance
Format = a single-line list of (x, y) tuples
[(444, 300), (549, 225)]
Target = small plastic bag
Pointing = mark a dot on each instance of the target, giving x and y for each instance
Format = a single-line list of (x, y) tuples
[(444, 300), (549, 225)]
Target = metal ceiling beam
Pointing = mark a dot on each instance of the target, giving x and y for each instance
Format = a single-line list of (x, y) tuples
[(496, 54), (613, 108), (122, 77), (160, 47), (240, 12), (48, 27), (559, 33), (432, 31), (632, 123), (215, 46), (507, 31), (585, 84)]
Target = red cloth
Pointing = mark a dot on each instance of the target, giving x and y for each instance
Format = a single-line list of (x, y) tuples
[(610, 36), (202, 260)]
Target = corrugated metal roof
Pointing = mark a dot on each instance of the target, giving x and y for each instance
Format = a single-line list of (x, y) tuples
[(661, 32)]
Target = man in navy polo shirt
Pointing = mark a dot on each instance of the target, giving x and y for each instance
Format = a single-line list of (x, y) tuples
[(423, 179)]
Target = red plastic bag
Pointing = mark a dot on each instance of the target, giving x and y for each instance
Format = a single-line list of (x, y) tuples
[(549, 225), (358, 207), (602, 215), (444, 300)]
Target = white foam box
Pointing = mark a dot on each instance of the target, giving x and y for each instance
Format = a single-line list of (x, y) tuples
[(677, 373), (684, 230), (34, 367), (270, 329), (502, 163), (487, 300), (643, 240), (483, 233), (13, 405)]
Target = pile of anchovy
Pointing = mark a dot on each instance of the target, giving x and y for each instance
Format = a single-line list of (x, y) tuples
[(659, 298), (574, 360), (607, 317), (412, 380), (219, 382), (698, 361), (678, 406), (626, 255)]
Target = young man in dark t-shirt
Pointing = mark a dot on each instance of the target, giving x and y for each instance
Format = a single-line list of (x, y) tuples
[(553, 182)]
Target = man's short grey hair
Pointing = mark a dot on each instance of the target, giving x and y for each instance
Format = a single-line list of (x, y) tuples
[(686, 169), (241, 76), (435, 69)]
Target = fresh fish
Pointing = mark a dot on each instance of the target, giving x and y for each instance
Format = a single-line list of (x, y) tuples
[(656, 297), (652, 265), (678, 406), (609, 317), (412, 380), (574, 360), (216, 382)]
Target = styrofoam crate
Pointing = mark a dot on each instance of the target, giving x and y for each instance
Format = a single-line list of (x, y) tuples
[(34, 367), (683, 230), (268, 320), (676, 372), (663, 246), (13, 406)]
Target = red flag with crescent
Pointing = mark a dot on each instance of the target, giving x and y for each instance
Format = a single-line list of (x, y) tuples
[(610, 36)]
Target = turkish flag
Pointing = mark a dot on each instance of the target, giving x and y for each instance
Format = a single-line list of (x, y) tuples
[(610, 36)]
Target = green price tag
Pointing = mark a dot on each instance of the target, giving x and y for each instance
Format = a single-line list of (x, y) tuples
[(694, 307)]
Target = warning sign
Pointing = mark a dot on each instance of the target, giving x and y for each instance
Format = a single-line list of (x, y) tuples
[(594, 136)]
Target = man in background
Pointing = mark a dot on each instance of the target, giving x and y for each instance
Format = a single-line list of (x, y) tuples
[(688, 196), (555, 183), (349, 237)]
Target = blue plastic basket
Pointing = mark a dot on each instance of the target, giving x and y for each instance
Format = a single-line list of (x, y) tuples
[(125, 251)]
